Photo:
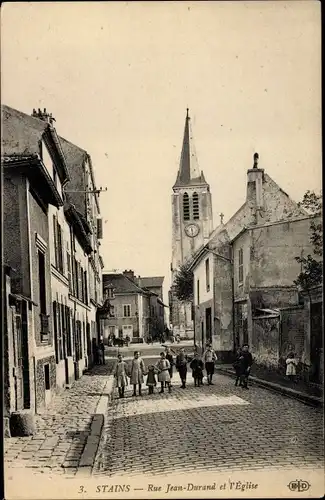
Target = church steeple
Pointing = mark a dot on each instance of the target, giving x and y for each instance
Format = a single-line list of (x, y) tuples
[(189, 172)]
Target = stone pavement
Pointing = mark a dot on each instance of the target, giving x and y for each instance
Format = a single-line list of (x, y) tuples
[(211, 428), (62, 430)]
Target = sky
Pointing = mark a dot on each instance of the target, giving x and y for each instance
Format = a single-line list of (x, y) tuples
[(118, 78)]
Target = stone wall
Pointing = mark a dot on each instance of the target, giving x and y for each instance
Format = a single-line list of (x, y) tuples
[(40, 379), (223, 307), (39, 225), (266, 341), (292, 332), (273, 249)]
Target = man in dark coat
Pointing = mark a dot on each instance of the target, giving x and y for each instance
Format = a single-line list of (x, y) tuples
[(170, 358), (244, 367), (181, 366)]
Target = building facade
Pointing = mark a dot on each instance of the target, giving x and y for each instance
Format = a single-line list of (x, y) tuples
[(51, 252), (192, 225), (157, 307), (253, 268), (29, 192), (135, 309)]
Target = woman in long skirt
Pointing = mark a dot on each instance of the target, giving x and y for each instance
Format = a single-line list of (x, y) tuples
[(121, 375), (163, 367)]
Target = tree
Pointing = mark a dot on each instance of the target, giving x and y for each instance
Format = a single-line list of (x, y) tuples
[(183, 283), (312, 269)]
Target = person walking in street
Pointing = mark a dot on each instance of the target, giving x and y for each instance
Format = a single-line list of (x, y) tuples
[(127, 340), (181, 366), (151, 379), (237, 367), (291, 370), (170, 358), (120, 375), (102, 350), (163, 367), (246, 361), (196, 366), (209, 358), (136, 373)]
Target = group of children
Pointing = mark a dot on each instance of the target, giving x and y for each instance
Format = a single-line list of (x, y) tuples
[(163, 370)]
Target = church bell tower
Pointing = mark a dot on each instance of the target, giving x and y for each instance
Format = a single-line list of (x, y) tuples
[(192, 224)]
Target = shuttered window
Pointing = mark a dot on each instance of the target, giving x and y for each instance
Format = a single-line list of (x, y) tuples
[(240, 266)]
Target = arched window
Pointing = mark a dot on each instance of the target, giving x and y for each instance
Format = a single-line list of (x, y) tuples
[(186, 207), (196, 206)]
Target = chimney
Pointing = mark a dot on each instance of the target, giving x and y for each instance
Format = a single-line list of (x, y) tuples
[(255, 177), (129, 274), (43, 115)]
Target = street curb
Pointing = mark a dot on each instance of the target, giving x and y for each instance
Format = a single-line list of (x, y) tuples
[(285, 391), (90, 450)]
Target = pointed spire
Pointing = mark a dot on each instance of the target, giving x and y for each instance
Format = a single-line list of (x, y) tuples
[(189, 172)]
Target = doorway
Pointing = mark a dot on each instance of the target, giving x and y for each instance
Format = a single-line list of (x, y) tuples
[(208, 323)]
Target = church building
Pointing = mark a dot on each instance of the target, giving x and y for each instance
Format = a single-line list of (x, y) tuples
[(192, 225)]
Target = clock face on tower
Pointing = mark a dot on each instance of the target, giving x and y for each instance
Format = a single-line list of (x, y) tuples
[(192, 230)]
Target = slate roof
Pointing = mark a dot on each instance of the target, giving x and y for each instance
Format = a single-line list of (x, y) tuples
[(75, 158), (21, 133), (189, 172), (151, 282), (121, 283)]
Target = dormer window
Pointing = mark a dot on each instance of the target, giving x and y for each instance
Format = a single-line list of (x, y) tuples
[(186, 207)]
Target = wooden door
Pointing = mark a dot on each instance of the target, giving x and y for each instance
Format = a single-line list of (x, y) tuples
[(18, 359)]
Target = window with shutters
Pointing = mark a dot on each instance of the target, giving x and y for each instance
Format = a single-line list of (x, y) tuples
[(240, 266), (69, 272), (75, 277), (64, 331), (68, 327), (85, 288), (57, 327), (78, 345), (207, 275), (44, 317), (126, 310), (196, 206), (58, 245), (79, 276), (186, 207)]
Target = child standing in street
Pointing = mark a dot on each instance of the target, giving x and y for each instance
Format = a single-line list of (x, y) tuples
[(151, 379), (291, 363), (121, 375), (196, 366), (163, 367), (137, 372)]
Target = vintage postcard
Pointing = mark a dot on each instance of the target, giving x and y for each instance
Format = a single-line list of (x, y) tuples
[(163, 250)]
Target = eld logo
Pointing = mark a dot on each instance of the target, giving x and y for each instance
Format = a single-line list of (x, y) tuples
[(299, 485)]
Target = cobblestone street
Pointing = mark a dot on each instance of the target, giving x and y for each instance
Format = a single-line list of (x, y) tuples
[(211, 428), (208, 428), (61, 431)]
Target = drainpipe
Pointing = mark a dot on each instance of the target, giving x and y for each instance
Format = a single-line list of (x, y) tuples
[(233, 311)]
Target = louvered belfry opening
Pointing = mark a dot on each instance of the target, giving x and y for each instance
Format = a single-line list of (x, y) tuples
[(186, 207), (196, 207)]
